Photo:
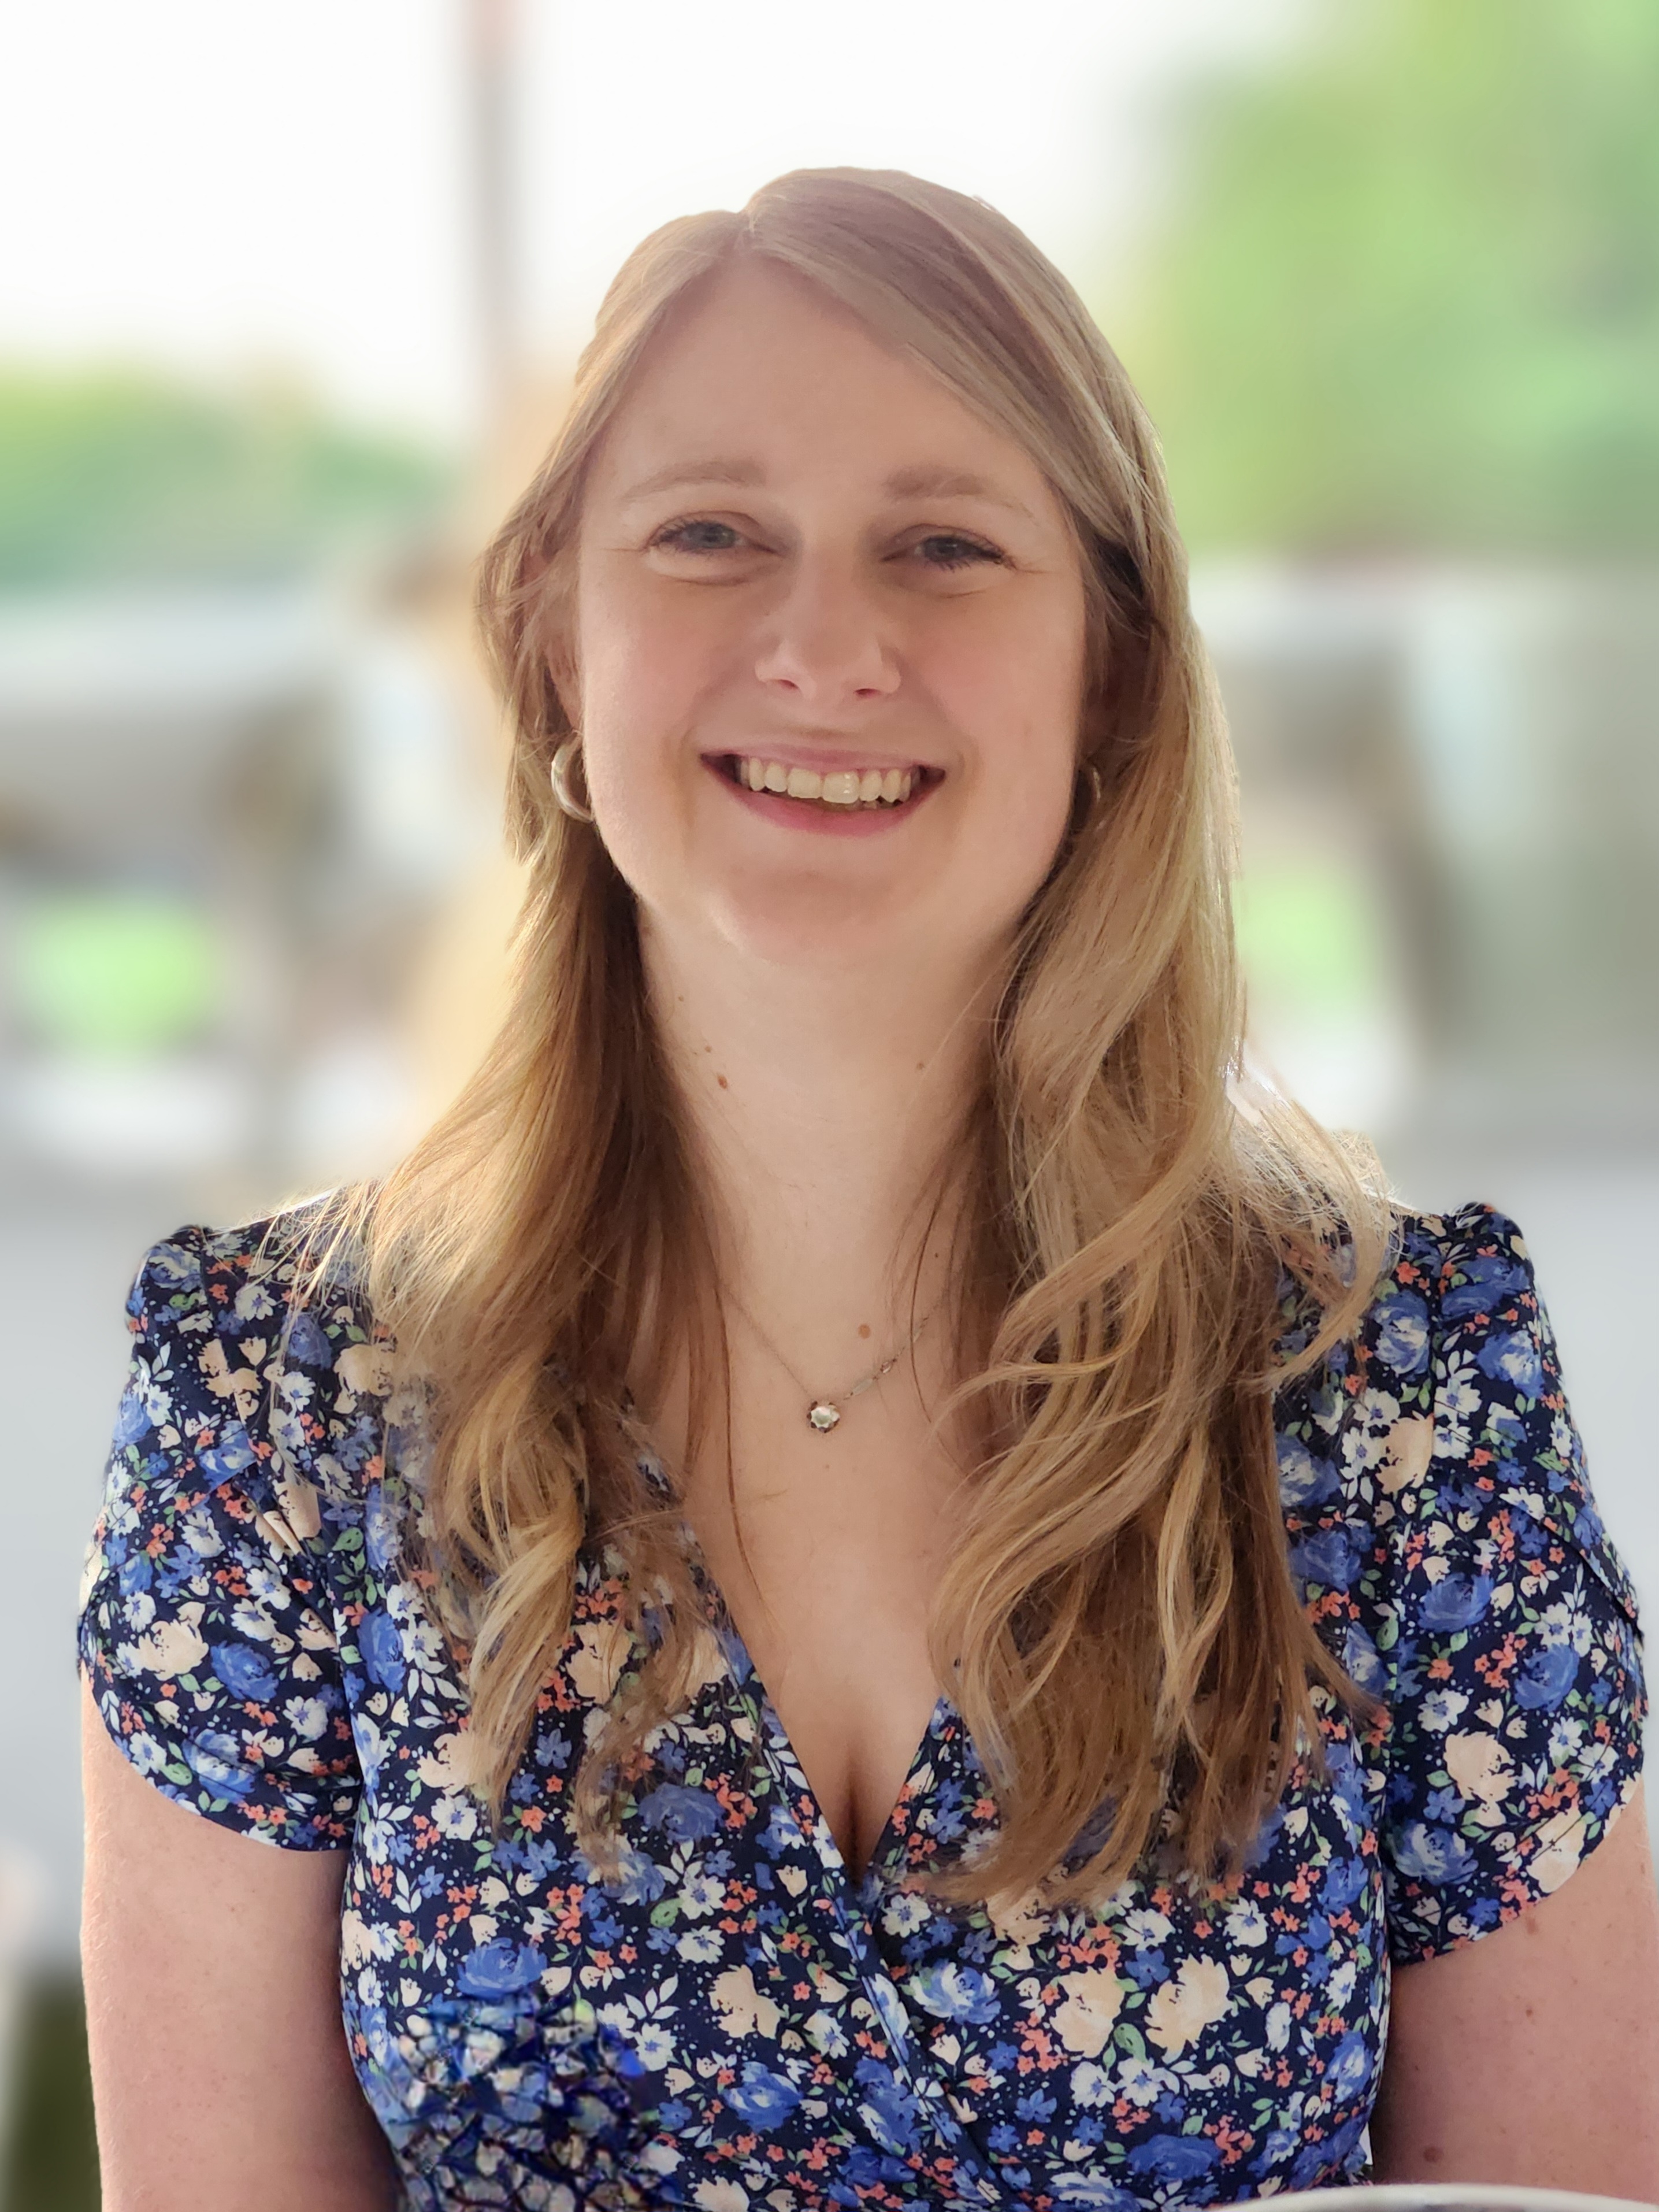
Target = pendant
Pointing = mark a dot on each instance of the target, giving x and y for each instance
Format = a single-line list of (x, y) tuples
[(823, 1416)]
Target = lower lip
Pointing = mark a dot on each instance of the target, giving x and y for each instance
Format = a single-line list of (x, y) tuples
[(820, 821)]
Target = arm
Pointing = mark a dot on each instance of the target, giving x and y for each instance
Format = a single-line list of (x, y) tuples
[(219, 2068), (1532, 2055)]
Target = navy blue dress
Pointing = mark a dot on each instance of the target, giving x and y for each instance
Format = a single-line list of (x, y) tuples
[(737, 2022)]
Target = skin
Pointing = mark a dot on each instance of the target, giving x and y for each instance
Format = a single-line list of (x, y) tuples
[(219, 2061), (818, 584)]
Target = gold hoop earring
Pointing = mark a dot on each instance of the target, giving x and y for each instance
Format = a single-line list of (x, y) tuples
[(1085, 792), (560, 772)]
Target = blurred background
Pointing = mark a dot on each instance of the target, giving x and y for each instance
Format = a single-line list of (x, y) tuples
[(287, 303)]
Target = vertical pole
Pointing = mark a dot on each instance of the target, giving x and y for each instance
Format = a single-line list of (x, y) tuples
[(490, 45)]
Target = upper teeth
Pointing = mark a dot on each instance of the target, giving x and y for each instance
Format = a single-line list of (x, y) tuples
[(841, 786)]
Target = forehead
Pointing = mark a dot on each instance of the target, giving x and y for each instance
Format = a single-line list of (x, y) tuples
[(762, 377)]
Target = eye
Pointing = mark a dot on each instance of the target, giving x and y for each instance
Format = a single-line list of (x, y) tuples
[(698, 535), (949, 549)]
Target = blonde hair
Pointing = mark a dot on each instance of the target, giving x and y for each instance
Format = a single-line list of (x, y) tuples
[(1117, 1622)]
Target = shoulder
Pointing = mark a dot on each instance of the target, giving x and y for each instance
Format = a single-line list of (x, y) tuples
[(1430, 1462), (1454, 1357), (1457, 1288), (256, 1360)]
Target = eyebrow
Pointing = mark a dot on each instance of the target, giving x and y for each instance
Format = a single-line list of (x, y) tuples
[(918, 482), (949, 483), (694, 472)]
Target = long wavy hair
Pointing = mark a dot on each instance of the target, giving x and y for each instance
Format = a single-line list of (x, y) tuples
[(1117, 1622)]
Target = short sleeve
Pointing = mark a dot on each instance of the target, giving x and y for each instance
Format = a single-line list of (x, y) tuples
[(206, 1631), (1510, 1640)]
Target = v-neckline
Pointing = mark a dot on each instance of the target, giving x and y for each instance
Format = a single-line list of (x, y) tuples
[(858, 1880), (773, 1732)]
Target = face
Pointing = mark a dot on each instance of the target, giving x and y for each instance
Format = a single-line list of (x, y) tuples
[(829, 644)]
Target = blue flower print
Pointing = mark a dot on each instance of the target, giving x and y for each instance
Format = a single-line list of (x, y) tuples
[(1174, 2158), (1437, 1855), (953, 1992), (1363, 1660), (132, 1417), (382, 1527), (382, 1649), (1546, 1676), (306, 1344), (1455, 1601), (1488, 1283), (245, 1671), (502, 1969), (1346, 1881), (1304, 1481), (214, 1758), (1402, 1333), (762, 2098), (1349, 2069), (231, 1455), (1514, 1358), (888, 2110), (684, 1815), (1329, 1558)]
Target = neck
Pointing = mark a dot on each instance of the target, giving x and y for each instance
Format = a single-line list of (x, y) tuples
[(824, 1109)]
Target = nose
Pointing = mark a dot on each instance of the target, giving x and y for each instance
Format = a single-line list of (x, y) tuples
[(824, 640)]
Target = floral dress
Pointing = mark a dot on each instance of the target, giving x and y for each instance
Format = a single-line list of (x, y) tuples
[(734, 2021)]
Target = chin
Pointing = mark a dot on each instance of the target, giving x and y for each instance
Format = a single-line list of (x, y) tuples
[(802, 920)]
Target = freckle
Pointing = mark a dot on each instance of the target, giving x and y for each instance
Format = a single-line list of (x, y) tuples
[(863, 1329), (1433, 2154), (723, 1083)]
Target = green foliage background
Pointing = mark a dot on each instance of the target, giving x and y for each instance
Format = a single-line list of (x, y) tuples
[(109, 476), (1408, 296)]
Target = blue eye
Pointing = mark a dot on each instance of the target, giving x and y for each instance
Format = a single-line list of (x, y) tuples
[(698, 538), (946, 548)]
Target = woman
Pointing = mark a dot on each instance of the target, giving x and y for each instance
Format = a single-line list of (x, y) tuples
[(857, 1584)]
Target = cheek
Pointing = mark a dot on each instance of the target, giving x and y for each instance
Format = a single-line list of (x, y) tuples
[(646, 661), (1017, 692), (646, 670)]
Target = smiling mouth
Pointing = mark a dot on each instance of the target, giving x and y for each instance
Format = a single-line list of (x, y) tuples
[(841, 791)]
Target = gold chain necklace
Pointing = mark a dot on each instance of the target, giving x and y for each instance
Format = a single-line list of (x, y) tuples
[(823, 1412)]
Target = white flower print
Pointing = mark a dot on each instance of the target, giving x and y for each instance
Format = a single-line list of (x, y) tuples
[(306, 1717), (701, 1894), (457, 1817), (1441, 1708), (905, 1912), (1091, 2085), (1144, 2081), (1246, 1925), (1147, 1927)]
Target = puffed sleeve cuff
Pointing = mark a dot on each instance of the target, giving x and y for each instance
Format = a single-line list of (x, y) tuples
[(1513, 1654), (206, 1633)]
